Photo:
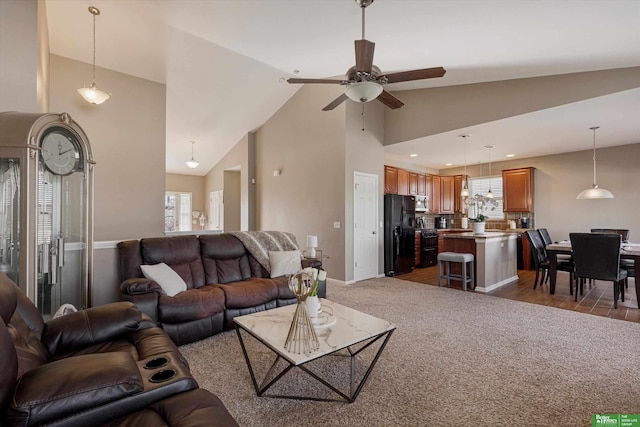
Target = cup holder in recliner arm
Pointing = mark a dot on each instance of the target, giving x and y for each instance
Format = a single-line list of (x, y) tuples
[(162, 376), (158, 362)]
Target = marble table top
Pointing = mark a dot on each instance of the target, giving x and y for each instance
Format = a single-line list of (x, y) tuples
[(351, 327), (626, 248)]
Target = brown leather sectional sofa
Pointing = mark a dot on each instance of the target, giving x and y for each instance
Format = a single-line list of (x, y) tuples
[(223, 281), (108, 365)]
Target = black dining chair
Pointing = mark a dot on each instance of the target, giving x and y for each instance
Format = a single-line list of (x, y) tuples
[(546, 239), (541, 261), (597, 256), (625, 264)]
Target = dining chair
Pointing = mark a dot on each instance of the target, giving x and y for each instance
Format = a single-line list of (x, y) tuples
[(546, 239), (626, 264), (541, 260), (597, 256)]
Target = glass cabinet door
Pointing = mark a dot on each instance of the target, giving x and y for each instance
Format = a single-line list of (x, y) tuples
[(10, 217)]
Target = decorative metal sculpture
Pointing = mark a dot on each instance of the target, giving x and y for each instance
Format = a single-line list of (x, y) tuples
[(302, 336)]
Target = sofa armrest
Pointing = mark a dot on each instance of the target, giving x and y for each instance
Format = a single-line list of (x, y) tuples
[(88, 327), (68, 386), (139, 285)]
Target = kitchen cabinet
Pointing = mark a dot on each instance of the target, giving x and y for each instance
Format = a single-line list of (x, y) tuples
[(428, 188), (422, 190), (517, 190), (418, 234), (403, 182), (390, 180), (447, 198), (458, 201), (413, 184), (435, 199)]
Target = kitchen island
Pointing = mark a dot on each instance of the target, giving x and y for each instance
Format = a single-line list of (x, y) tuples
[(495, 256)]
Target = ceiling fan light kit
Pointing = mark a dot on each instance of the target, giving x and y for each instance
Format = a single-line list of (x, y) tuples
[(364, 82), (92, 94), (594, 192)]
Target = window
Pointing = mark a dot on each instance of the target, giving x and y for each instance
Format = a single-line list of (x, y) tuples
[(177, 211), (478, 188)]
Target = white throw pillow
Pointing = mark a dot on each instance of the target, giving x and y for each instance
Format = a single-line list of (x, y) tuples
[(170, 282), (284, 262)]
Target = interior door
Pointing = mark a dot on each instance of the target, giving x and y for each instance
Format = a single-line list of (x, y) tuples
[(365, 226)]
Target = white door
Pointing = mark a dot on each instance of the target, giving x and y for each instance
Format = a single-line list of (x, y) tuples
[(365, 228), (216, 210)]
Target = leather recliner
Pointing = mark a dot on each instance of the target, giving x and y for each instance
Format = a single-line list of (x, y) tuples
[(90, 367)]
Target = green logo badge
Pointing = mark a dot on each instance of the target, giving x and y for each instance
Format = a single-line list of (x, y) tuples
[(615, 420)]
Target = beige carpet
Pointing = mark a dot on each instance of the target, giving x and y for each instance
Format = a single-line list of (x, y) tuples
[(456, 359)]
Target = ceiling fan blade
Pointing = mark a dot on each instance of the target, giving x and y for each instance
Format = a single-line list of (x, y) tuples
[(405, 76), (339, 100), (303, 81), (364, 55), (389, 100)]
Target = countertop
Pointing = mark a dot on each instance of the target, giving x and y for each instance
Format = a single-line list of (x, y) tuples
[(493, 230), (487, 235)]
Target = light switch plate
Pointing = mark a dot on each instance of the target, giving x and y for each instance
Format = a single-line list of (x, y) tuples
[(336, 224)]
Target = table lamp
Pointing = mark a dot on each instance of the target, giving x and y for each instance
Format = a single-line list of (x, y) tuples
[(312, 244)]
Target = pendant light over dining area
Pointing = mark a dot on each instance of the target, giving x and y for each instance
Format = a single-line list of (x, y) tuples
[(594, 192)]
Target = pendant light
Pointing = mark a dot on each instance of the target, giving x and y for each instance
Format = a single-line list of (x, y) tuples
[(92, 94), (595, 192), (465, 188), (193, 163), (490, 193)]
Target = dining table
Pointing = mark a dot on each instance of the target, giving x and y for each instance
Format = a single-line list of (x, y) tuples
[(627, 251)]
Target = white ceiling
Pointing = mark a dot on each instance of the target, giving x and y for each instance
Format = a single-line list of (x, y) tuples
[(222, 60)]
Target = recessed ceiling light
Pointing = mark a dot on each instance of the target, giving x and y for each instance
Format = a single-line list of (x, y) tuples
[(511, 155), (448, 164), (413, 155), (281, 80)]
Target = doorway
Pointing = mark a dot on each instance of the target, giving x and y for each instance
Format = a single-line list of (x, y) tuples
[(365, 226)]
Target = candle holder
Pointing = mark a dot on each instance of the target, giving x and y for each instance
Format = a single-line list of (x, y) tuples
[(302, 336)]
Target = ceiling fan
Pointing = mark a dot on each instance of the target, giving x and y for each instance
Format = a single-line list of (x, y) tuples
[(364, 82)]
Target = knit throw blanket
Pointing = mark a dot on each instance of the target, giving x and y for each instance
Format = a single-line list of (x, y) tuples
[(259, 243)]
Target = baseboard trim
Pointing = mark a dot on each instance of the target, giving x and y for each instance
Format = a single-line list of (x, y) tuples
[(497, 285)]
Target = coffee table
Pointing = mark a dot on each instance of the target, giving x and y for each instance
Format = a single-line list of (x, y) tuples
[(352, 332)]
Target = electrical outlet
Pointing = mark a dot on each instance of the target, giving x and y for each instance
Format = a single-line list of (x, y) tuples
[(336, 224)]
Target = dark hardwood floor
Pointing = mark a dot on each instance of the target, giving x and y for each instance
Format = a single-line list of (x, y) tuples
[(597, 298)]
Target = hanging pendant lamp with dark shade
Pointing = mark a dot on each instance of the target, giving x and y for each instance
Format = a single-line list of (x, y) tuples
[(92, 94), (465, 188), (595, 192), (489, 193)]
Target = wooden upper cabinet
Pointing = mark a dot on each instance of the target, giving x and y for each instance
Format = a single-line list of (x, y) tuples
[(428, 187), (457, 189), (413, 183), (422, 190), (403, 182), (517, 190), (390, 180), (435, 195), (447, 184)]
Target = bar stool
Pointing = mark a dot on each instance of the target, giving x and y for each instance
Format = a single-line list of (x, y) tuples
[(463, 258)]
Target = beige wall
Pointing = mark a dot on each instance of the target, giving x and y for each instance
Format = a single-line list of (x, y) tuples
[(127, 135), (232, 200), (363, 153), (188, 184), (308, 146), (24, 46), (559, 179), (238, 159), (435, 110)]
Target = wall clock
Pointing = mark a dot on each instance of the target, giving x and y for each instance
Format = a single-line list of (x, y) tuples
[(60, 151)]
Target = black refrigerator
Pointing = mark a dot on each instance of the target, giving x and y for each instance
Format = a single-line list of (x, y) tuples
[(399, 234)]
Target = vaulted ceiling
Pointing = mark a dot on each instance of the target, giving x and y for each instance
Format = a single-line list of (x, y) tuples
[(223, 61)]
